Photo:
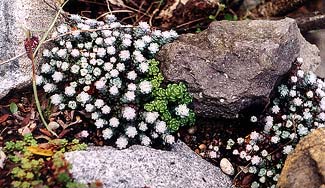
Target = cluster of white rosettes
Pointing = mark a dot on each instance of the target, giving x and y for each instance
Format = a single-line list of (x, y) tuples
[(298, 110), (101, 67), (182, 110)]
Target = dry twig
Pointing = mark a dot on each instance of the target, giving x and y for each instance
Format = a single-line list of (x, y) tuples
[(275, 8), (313, 22)]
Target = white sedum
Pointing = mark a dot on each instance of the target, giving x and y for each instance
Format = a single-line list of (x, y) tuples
[(160, 127), (121, 142), (107, 133), (56, 99), (104, 73), (151, 117), (131, 132), (145, 87), (145, 140), (182, 110), (114, 122), (129, 113)]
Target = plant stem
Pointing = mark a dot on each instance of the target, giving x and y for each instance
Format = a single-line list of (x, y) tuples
[(38, 105), (37, 102)]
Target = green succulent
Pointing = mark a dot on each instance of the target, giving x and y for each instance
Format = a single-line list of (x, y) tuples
[(165, 99)]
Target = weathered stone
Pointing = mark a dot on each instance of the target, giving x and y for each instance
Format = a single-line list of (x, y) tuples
[(14, 16), (227, 167), (140, 166), (305, 167), (311, 55), (235, 65), (318, 37)]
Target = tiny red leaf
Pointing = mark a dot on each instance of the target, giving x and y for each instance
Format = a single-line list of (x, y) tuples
[(30, 45), (4, 117)]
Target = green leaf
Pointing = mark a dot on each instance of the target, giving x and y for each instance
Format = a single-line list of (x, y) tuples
[(13, 108), (64, 177), (230, 17), (212, 17), (198, 30), (148, 107), (29, 175)]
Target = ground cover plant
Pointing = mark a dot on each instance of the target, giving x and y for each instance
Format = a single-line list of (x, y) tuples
[(258, 156), (40, 165), (99, 83), (107, 70)]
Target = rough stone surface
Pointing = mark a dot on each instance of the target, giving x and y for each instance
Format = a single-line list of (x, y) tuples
[(139, 166), (311, 55), (235, 65), (318, 37), (15, 15), (305, 167)]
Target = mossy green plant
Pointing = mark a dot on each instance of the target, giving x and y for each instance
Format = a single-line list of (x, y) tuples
[(33, 167), (168, 97)]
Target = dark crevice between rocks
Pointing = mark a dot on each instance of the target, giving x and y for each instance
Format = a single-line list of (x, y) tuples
[(16, 94), (206, 129), (256, 108)]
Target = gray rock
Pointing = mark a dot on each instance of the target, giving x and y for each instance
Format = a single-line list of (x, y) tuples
[(235, 65), (139, 166), (14, 16), (311, 55), (318, 37)]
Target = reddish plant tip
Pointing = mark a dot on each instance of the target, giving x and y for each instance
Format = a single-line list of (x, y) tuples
[(30, 44)]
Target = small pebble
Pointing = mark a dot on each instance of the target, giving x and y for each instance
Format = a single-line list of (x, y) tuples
[(53, 125), (24, 130), (9, 122), (2, 158), (202, 147), (32, 126), (227, 167), (191, 130)]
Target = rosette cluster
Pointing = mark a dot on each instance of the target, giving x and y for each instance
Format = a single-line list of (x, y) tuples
[(104, 69), (298, 109)]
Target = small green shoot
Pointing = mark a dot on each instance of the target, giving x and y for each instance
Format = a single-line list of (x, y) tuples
[(13, 108)]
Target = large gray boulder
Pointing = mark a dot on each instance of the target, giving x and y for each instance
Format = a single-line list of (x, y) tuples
[(235, 65), (14, 16), (140, 166)]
